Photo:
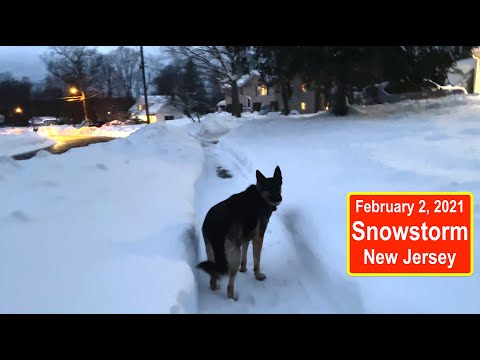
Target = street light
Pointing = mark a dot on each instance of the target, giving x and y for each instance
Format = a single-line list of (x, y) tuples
[(73, 91), (19, 111)]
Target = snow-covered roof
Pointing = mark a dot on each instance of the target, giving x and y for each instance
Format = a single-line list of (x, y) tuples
[(245, 79), (154, 102), (152, 99), (159, 106)]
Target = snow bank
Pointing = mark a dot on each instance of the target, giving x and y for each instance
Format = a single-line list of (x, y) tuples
[(16, 141), (103, 229), (116, 131), (110, 131), (212, 126), (21, 140)]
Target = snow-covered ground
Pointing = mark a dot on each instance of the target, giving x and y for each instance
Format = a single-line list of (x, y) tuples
[(115, 227), (108, 228), (414, 146)]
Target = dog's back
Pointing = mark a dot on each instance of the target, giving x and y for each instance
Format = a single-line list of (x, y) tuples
[(232, 223), (237, 213)]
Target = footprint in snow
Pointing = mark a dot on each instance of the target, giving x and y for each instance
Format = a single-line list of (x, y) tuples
[(223, 173), (102, 166), (20, 216)]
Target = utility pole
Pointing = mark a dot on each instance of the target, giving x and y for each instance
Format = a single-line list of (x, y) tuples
[(87, 122), (82, 98), (144, 85)]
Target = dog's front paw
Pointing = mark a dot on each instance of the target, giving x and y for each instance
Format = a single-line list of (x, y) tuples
[(243, 268), (260, 276)]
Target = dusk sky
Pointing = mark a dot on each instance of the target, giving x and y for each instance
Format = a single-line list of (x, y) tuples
[(25, 60)]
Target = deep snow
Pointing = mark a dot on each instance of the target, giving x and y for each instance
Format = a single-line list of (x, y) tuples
[(115, 227), (103, 229)]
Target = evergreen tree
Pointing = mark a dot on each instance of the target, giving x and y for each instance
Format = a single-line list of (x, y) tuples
[(15, 93), (191, 92), (350, 67), (166, 81)]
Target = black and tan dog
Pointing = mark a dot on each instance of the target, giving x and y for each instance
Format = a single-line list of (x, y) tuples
[(230, 225)]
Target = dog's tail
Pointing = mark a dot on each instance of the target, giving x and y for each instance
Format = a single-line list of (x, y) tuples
[(212, 268)]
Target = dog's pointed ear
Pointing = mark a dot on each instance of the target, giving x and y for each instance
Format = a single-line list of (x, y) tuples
[(277, 173), (260, 177)]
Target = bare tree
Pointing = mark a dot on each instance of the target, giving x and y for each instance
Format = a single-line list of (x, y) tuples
[(226, 63), (153, 66), (108, 76), (126, 63), (74, 65)]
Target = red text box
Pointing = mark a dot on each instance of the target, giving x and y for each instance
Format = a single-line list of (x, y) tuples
[(410, 234)]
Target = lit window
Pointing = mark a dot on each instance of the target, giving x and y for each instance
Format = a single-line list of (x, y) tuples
[(303, 105), (262, 90), (304, 87), (139, 107)]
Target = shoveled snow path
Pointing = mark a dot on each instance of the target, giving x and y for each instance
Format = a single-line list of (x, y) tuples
[(297, 281)]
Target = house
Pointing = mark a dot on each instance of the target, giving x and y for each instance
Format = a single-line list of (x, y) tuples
[(466, 73), (303, 99), (160, 107), (255, 95)]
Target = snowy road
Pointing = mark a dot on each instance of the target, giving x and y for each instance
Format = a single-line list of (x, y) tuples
[(65, 143), (297, 281)]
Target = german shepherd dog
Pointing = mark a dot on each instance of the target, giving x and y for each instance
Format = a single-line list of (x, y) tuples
[(230, 225)]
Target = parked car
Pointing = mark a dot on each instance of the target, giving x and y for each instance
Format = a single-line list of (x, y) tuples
[(44, 120), (385, 93), (265, 109)]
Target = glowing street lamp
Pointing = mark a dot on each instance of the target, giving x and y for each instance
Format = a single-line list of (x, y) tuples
[(73, 91), (18, 110)]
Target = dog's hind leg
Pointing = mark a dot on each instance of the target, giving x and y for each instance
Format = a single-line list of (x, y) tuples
[(243, 263), (231, 284), (233, 242), (232, 251)]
